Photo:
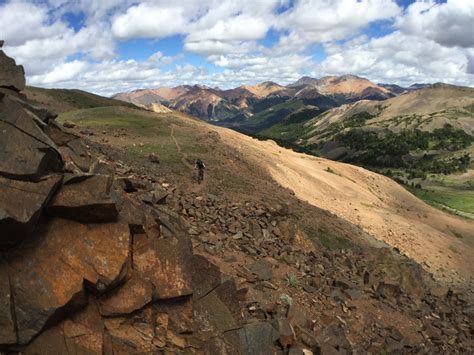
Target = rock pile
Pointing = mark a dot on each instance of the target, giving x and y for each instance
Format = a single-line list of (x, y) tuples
[(334, 286)]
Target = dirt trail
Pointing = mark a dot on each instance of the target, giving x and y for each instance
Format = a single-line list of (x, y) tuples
[(194, 187), (184, 156), (376, 203)]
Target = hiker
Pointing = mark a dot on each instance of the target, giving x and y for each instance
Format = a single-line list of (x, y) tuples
[(199, 165)]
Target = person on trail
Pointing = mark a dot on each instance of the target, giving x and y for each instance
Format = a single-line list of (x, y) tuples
[(199, 166)]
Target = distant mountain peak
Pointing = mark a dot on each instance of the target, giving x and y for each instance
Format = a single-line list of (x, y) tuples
[(304, 80)]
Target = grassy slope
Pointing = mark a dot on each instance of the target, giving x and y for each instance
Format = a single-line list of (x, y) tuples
[(64, 100), (155, 133), (460, 202)]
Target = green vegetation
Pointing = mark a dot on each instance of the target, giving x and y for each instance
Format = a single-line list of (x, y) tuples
[(292, 126), (141, 122), (395, 150), (78, 98), (291, 280), (332, 242), (453, 201), (154, 129), (264, 119), (286, 299), (357, 120)]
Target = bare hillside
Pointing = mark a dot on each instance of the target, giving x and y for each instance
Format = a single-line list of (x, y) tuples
[(426, 109), (376, 203)]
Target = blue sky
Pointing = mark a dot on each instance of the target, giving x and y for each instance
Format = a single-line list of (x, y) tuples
[(110, 45)]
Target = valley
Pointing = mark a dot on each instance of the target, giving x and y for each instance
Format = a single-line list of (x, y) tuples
[(419, 136)]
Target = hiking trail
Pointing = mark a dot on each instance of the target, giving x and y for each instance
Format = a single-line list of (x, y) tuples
[(184, 156)]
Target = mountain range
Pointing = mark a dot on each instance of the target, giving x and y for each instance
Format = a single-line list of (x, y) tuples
[(216, 105)]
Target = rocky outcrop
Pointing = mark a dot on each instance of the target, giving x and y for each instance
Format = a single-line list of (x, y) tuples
[(26, 152), (12, 76), (85, 198), (88, 263), (21, 205)]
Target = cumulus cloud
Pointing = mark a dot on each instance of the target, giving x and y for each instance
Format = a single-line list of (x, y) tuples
[(41, 41), (22, 22), (150, 21), (450, 24), (318, 21), (398, 58)]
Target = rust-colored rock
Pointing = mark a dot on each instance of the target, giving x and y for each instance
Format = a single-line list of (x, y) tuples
[(75, 155), (54, 266), (164, 262), (21, 203), (134, 334), (26, 153), (132, 296), (84, 331), (85, 198)]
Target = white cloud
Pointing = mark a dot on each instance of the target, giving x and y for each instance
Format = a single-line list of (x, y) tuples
[(22, 22), (150, 21), (240, 27), (61, 73), (449, 24), (318, 21), (399, 58)]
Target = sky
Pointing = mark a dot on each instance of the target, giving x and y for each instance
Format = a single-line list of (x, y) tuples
[(110, 46)]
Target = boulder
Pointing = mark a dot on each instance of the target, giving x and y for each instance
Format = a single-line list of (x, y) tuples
[(26, 152), (72, 149), (51, 341), (286, 333), (75, 156), (84, 331), (215, 318), (12, 76), (21, 203), (55, 265), (85, 198), (42, 113)]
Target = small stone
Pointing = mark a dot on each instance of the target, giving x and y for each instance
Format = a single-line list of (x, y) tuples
[(69, 124), (286, 332), (261, 269)]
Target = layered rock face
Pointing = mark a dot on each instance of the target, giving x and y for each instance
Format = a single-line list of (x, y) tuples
[(85, 265)]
